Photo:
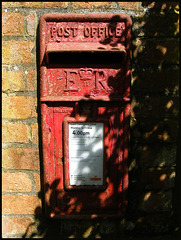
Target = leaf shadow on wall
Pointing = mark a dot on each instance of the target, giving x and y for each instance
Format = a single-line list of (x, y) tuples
[(153, 130), (154, 120)]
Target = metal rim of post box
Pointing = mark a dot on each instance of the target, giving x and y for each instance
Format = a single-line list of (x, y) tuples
[(45, 49)]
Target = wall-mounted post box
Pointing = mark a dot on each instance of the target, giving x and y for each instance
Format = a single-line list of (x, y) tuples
[(85, 106)]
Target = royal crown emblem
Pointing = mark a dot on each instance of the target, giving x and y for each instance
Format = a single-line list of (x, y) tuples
[(86, 74)]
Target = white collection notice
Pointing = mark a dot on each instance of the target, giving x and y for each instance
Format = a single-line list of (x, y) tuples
[(86, 144)]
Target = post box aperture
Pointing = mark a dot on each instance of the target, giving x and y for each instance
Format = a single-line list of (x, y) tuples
[(85, 106)]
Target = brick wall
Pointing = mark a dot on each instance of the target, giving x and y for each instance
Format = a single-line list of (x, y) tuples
[(154, 121)]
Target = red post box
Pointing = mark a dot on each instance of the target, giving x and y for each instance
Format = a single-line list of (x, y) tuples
[(85, 107)]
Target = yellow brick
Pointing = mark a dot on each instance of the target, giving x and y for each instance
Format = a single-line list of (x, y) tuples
[(129, 5), (55, 4), (90, 4), (31, 24), (37, 182), (18, 225), (22, 204), (12, 23), (15, 52), (14, 132), (16, 182), (36, 4), (18, 107), (35, 133), (20, 158), (31, 80), (12, 80)]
